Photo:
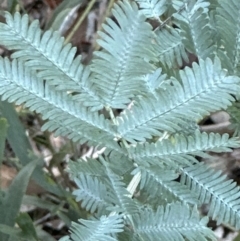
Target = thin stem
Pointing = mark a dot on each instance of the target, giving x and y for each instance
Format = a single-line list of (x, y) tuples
[(107, 13), (80, 20), (165, 22), (112, 116), (110, 5)]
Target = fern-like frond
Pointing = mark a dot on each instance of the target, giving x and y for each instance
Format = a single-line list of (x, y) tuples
[(152, 8), (99, 185), (203, 89), (96, 230), (91, 167), (124, 60), (228, 24), (20, 85), (120, 163), (118, 193), (195, 28), (92, 193), (161, 188), (174, 222), (85, 135), (213, 188), (155, 80), (47, 53), (181, 149), (169, 48), (155, 172)]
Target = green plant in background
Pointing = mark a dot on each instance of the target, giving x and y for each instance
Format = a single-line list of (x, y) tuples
[(148, 183)]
